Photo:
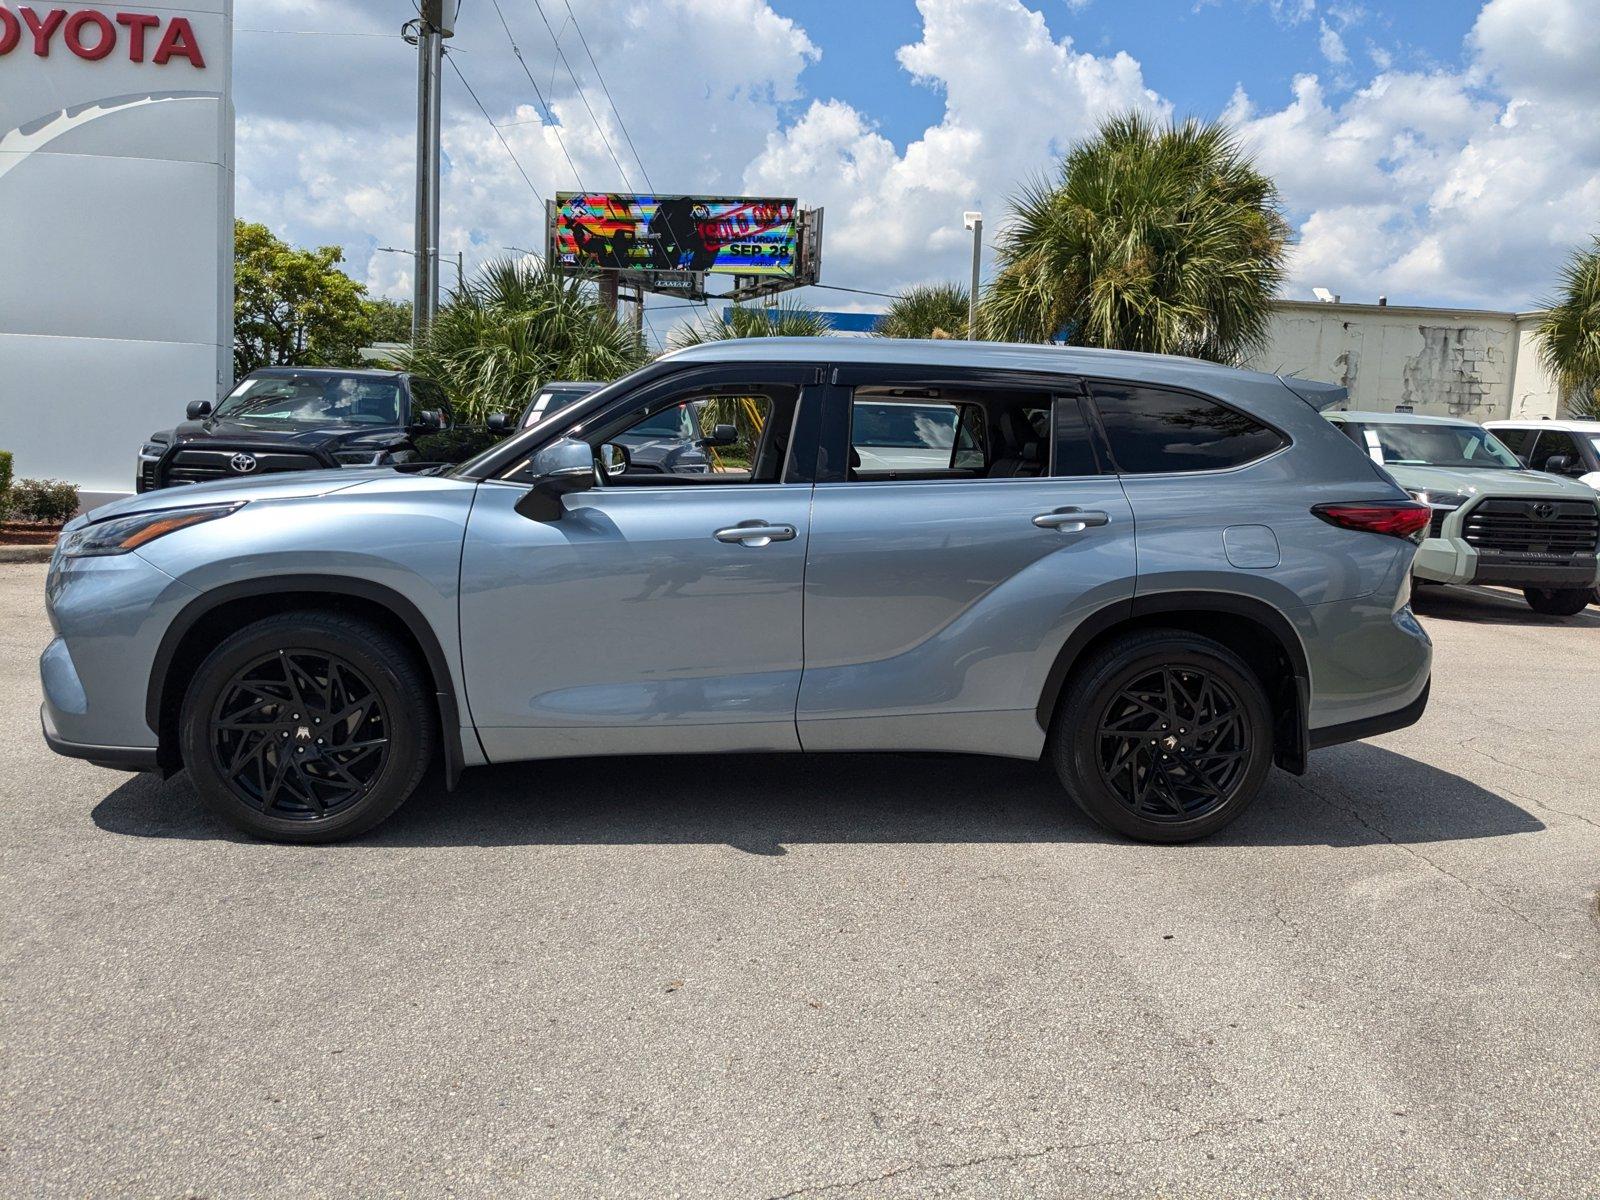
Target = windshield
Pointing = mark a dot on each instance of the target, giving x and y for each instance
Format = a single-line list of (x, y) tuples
[(1421, 445), (317, 399)]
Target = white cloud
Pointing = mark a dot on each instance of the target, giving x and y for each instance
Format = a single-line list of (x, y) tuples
[(1332, 46), (1465, 185)]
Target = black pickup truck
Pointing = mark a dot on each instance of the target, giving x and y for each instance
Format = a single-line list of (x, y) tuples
[(300, 419)]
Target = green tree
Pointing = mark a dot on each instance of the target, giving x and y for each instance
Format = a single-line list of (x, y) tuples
[(788, 318), (929, 310), (387, 320), (514, 326), (1156, 237), (1569, 333), (292, 307)]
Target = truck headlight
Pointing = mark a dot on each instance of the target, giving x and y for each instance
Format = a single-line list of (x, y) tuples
[(152, 450), (1439, 499), (359, 458), (122, 534)]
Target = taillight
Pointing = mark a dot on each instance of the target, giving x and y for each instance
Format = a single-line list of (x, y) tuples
[(1398, 518)]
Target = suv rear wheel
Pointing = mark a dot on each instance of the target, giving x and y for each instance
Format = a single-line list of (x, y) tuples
[(1559, 602), (1163, 735), (307, 727)]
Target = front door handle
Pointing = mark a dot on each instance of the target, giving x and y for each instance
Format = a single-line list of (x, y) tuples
[(755, 533), (1071, 520)]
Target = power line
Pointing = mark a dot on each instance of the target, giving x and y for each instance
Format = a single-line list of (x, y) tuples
[(451, 60), (555, 125), (573, 75), (833, 287), (623, 125)]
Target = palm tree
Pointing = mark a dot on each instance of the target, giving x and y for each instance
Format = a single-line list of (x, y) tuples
[(515, 326), (1569, 333), (928, 310), (1156, 237), (788, 318)]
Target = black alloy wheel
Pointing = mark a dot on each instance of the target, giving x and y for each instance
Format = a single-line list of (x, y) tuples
[(1173, 744), (299, 734), (1163, 735), (308, 726)]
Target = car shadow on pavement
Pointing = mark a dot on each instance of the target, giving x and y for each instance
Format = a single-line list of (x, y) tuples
[(1490, 606), (1359, 794)]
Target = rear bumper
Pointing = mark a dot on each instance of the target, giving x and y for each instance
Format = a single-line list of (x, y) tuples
[(117, 758), (1353, 731)]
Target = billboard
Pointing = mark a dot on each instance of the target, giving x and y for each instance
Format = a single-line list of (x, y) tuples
[(729, 235)]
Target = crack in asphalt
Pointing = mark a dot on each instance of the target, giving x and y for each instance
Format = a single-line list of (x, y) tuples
[(1471, 744), (1026, 1155), (1498, 901)]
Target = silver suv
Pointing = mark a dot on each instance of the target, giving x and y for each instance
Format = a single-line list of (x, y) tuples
[(1163, 575)]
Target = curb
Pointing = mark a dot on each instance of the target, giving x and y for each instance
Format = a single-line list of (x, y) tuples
[(26, 554)]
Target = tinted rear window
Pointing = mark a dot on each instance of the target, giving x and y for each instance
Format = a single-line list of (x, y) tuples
[(1153, 431)]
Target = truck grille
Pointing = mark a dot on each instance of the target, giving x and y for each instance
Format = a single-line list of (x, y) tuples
[(202, 466), (1541, 529)]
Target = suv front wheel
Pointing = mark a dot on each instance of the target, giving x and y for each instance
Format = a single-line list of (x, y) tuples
[(1163, 735), (307, 727)]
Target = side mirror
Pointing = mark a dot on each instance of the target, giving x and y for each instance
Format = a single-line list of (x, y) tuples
[(198, 409), (499, 422), (614, 459), (427, 420), (565, 465), (721, 435), (1558, 464)]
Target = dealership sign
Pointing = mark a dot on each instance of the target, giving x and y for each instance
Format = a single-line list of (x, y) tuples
[(90, 34)]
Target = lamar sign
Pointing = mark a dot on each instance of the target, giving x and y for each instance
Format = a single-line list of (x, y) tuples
[(91, 35)]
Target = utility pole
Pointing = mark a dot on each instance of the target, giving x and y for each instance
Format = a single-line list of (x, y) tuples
[(974, 222), (436, 21)]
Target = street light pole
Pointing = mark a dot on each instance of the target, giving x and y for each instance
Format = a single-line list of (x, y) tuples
[(436, 21), (974, 222)]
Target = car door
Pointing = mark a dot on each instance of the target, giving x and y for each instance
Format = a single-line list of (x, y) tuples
[(659, 611), (938, 596)]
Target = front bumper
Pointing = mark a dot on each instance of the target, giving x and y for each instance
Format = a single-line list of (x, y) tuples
[(109, 614), (116, 758), (1449, 557)]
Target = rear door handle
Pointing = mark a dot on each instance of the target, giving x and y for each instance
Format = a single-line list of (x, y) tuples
[(755, 533), (1071, 520)]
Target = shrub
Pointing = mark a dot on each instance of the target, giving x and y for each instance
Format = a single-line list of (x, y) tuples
[(5, 483), (48, 500)]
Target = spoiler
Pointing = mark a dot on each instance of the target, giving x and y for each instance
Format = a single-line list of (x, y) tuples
[(1321, 396)]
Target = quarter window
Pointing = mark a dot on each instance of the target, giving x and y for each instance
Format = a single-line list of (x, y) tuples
[(1156, 431)]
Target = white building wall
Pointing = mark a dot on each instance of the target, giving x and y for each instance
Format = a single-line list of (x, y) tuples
[(1450, 362), (116, 202)]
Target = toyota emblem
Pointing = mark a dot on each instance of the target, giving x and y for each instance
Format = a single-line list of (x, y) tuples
[(243, 463), (1544, 510)]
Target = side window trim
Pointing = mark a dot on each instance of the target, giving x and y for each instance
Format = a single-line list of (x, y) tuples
[(1089, 383)]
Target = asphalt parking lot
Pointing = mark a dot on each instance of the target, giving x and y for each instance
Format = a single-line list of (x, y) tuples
[(830, 977)]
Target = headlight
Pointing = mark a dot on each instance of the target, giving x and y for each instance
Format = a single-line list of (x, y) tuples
[(122, 534), (359, 458), (1440, 499), (152, 450)]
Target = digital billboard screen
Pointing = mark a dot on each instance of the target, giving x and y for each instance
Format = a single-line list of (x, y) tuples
[(730, 235)]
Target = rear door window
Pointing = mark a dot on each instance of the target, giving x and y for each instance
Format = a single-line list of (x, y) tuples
[(1155, 431)]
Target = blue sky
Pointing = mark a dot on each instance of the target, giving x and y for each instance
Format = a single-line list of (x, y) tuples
[(1439, 152)]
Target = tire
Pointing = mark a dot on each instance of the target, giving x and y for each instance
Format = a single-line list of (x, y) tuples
[(1199, 783), (289, 674), (1558, 602)]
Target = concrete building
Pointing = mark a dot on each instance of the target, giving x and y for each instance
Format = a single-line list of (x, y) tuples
[(116, 202), (1448, 361)]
